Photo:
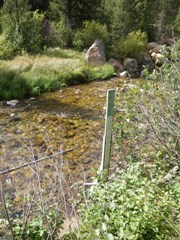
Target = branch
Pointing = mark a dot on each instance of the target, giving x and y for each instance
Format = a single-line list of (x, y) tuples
[(34, 162)]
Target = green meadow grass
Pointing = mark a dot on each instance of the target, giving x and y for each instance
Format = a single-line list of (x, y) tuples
[(29, 75)]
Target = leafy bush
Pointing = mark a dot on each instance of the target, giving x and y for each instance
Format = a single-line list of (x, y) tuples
[(32, 32), (6, 51), (63, 34), (132, 45), (176, 23), (21, 27), (89, 33), (36, 228), (164, 109), (131, 206)]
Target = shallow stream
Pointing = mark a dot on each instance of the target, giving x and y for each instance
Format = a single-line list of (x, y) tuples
[(68, 118)]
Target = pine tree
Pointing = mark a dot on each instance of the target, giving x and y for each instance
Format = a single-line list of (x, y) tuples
[(41, 5), (20, 26), (14, 12), (75, 12)]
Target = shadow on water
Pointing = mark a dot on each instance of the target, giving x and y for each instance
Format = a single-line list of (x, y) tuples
[(57, 107)]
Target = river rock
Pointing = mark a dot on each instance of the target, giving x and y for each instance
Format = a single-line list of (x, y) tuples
[(12, 103), (145, 62), (32, 99), (131, 66), (157, 49), (124, 74), (152, 45), (167, 41), (158, 58), (77, 91), (96, 54), (118, 67)]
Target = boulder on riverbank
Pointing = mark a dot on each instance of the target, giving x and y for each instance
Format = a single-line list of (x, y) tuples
[(95, 55), (145, 62), (118, 67), (131, 66)]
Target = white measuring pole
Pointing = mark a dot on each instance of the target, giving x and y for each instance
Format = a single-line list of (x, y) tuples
[(107, 139)]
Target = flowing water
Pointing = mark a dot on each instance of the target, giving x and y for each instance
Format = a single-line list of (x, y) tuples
[(72, 118), (69, 118)]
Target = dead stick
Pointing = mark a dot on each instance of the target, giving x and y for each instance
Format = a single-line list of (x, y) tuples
[(33, 162)]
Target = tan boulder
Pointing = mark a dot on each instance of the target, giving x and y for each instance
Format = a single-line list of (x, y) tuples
[(96, 54)]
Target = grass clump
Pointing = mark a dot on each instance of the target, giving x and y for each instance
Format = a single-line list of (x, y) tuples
[(13, 85)]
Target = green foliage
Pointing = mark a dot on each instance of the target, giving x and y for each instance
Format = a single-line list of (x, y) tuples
[(131, 206), (47, 74), (164, 116), (91, 31), (6, 50), (176, 23), (87, 74), (37, 228), (116, 18), (32, 32), (21, 27), (75, 12), (133, 45), (63, 34), (13, 85)]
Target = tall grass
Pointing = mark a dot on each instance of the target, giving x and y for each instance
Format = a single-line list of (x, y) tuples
[(33, 75)]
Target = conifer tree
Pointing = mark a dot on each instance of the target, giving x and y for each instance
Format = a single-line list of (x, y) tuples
[(20, 26), (75, 12)]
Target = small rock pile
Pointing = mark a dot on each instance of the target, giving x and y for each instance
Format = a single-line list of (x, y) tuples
[(129, 67)]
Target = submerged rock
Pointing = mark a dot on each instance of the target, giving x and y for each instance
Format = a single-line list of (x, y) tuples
[(12, 103)]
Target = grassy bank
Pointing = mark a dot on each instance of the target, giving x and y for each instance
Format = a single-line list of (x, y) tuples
[(32, 75)]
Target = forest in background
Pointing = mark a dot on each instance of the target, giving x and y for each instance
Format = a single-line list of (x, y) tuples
[(32, 26)]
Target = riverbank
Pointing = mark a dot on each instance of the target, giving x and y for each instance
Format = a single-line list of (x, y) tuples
[(30, 75)]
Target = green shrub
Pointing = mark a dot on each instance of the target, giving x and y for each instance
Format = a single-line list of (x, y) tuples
[(63, 34), (91, 31), (22, 28), (164, 109), (37, 227), (32, 32), (6, 51), (176, 24), (131, 206), (133, 45)]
